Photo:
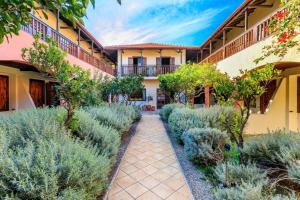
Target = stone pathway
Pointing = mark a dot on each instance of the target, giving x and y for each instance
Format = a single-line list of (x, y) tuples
[(149, 169)]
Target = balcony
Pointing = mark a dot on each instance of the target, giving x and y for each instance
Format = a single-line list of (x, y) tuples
[(37, 26), (257, 33), (147, 70)]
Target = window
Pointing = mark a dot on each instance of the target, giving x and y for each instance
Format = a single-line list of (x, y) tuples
[(138, 96), (166, 61), (137, 61)]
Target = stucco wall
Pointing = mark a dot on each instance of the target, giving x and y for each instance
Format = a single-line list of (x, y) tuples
[(282, 111), (19, 96), (151, 90), (11, 50)]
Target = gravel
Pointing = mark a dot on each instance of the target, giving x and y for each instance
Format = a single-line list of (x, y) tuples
[(200, 188)]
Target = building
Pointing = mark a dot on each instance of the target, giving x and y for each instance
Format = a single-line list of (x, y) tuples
[(21, 85), (237, 43), (150, 60)]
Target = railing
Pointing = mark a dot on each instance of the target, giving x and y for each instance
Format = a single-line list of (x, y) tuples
[(147, 70), (37, 26), (254, 35)]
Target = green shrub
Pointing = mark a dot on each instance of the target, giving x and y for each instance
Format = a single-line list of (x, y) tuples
[(183, 119), (130, 111), (245, 191), (168, 109), (106, 139), (33, 124), (273, 149), (40, 160), (212, 116), (205, 145), (232, 174), (110, 117)]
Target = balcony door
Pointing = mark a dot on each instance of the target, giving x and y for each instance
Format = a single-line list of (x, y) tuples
[(4, 93), (137, 65), (166, 64)]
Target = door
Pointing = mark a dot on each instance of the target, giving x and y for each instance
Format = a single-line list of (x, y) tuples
[(4, 93), (51, 96), (37, 92), (162, 98)]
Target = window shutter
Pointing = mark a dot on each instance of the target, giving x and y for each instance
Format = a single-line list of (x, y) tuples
[(172, 61), (130, 61), (158, 61), (144, 61)]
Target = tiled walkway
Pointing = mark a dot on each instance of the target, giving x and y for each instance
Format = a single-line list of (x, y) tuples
[(149, 170)]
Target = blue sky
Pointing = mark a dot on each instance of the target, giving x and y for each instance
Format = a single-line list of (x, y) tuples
[(184, 22)]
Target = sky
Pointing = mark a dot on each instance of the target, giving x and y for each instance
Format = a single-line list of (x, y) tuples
[(181, 22)]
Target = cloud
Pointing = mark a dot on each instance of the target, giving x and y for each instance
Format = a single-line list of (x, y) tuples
[(148, 20)]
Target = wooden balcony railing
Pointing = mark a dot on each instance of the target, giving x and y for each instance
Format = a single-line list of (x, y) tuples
[(37, 26), (254, 35), (147, 70)]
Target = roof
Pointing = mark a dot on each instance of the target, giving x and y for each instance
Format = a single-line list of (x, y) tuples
[(233, 18), (151, 46)]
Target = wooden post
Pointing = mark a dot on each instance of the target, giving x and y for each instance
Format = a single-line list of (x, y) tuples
[(224, 43), (180, 56), (246, 20), (92, 47), (207, 96), (210, 47), (121, 62), (201, 54), (57, 21), (78, 42)]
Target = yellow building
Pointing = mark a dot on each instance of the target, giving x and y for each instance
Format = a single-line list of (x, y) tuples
[(237, 43), (150, 60), (21, 85)]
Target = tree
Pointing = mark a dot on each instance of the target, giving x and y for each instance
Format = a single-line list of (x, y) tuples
[(246, 88), (171, 84), (14, 13), (191, 78), (125, 86), (73, 82), (283, 26)]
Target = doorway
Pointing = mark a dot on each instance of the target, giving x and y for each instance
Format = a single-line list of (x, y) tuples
[(37, 92), (162, 98), (4, 93)]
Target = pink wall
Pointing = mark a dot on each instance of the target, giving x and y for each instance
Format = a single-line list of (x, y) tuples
[(11, 51)]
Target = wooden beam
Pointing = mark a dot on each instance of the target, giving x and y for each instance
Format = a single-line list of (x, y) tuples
[(210, 47), (66, 27), (235, 27), (261, 6), (86, 40)]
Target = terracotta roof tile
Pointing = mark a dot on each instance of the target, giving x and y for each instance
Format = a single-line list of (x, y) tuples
[(150, 46)]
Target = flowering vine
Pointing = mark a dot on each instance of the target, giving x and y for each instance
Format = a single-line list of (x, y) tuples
[(284, 27)]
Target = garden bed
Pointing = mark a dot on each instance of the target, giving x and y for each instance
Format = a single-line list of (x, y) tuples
[(200, 187)]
